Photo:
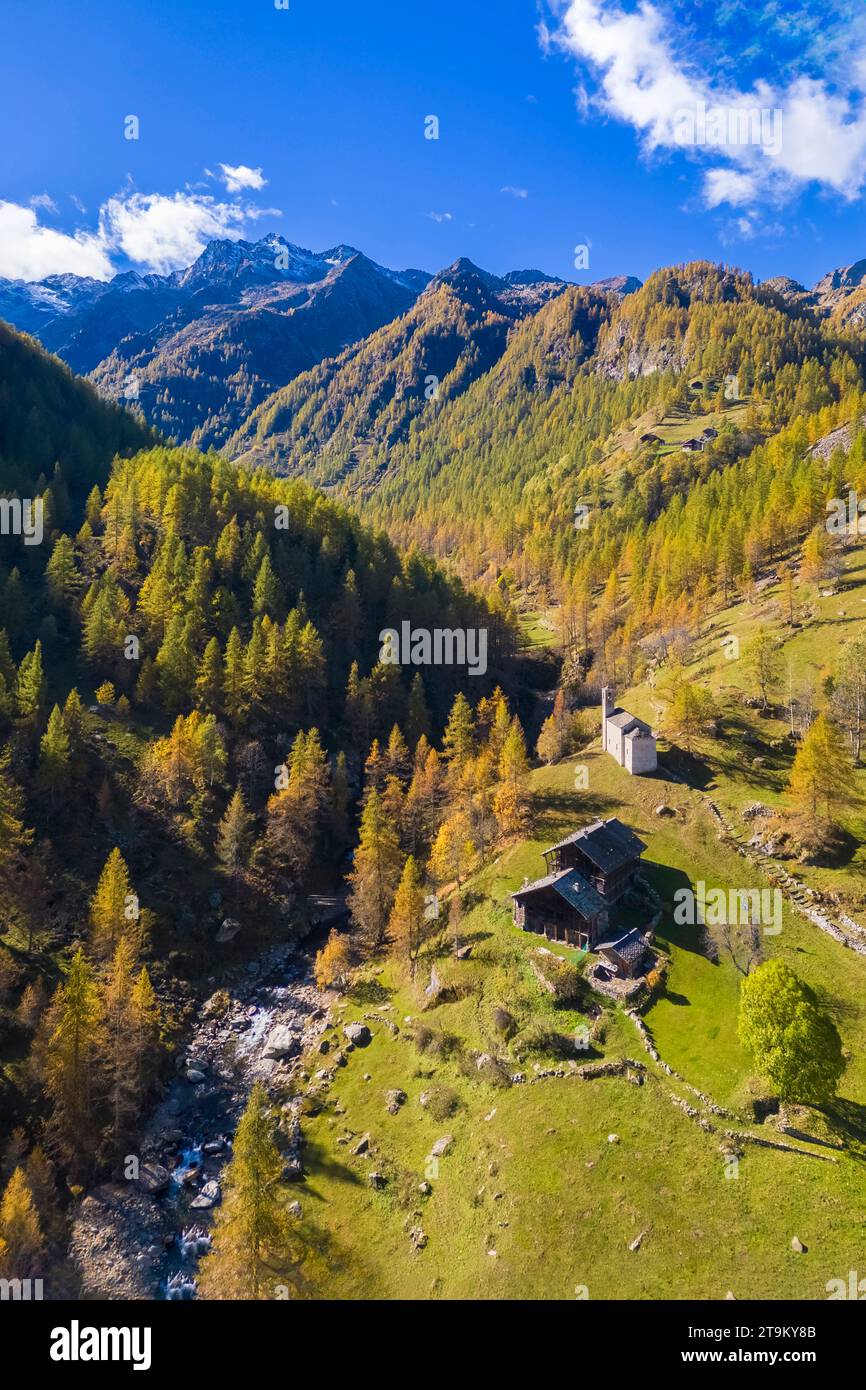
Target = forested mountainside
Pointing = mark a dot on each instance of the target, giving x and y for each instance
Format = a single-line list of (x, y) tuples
[(337, 423), (587, 407), (198, 720), (197, 350), (47, 414), (198, 373)]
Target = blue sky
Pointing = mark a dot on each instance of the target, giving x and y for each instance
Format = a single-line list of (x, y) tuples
[(557, 128)]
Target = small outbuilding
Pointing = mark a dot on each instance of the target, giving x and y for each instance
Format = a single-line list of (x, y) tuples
[(626, 954)]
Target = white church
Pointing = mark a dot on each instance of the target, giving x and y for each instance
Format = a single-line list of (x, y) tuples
[(626, 738)]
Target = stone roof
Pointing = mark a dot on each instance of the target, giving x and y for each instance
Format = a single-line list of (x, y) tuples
[(629, 723), (630, 946), (571, 886), (608, 844)]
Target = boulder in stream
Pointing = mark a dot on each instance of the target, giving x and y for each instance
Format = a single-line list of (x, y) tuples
[(282, 1042), (153, 1179), (208, 1197)]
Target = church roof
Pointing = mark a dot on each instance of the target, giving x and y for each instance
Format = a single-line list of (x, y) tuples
[(629, 723)]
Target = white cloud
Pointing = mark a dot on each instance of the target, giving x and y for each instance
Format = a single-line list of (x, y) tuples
[(816, 136), (154, 231), (729, 186), (30, 252), (164, 233), (748, 226), (441, 216), (237, 177), (515, 192)]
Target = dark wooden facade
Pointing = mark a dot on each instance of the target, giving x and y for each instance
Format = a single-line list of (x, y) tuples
[(544, 911), (587, 873), (611, 885)]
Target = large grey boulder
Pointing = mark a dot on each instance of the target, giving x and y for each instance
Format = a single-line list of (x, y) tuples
[(358, 1034), (153, 1179), (281, 1042), (208, 1197)]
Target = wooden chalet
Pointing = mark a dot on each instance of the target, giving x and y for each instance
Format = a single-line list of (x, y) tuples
[(587, 873), (563, 907), (606, 852)]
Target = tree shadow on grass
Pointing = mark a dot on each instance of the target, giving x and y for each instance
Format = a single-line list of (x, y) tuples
[(840, 851), (319, 1160), (370, 992), (667, 881), (681, 1000), (443, 947), (848, 1118), (697, 771), (324, 1256), (741, 743), (554, 807)]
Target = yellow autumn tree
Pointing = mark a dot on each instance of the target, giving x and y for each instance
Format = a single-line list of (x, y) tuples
[(255, 1253), (334, 963), (511, 803), (114, 907), (453, 850), (406, 923), (822, 779), (20, 1232)]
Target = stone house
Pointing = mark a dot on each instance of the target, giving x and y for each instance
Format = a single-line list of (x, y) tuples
[(627, 738)]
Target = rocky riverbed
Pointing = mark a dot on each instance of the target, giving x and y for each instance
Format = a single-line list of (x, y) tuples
[(142, 1237)]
